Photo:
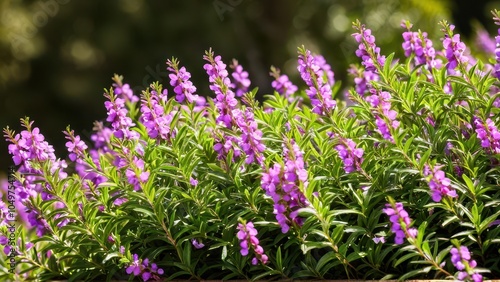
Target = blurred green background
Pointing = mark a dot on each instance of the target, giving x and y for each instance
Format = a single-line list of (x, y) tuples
[(56, 56)]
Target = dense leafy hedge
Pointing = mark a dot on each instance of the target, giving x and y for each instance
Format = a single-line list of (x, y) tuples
[(399, 180)]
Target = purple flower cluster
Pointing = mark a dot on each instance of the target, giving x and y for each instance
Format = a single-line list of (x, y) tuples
[(184, 89), (247, 234), (367, 49), (220, 83), (76, 147), (362, 79), (241, 80), (251, 137), (489, 135), (453, 49), (118, 116), (225, 144), (229, 115), (284, 184), (317, 75), (417, 43), (282, 84), (461, 259), (153, 115), (350, 155), (385, 118), (484, 42), (496, 68), (5, 214), (326, 69), (400, 222), (123, 90), (381, 101), (136, 174), (29, 146), (101, 139), (26, 148), (4, 241), (144, 269), (249, 142), (438, 183)]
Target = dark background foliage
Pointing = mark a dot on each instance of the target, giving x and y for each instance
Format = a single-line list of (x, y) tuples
[(56, 56)]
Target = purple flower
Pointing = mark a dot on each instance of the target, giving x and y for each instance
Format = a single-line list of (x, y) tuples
[(247, 235), (251, 137), (153, 115), (193, 181), (461, 259), (367, 49), (135, 267), (317, 74), (282, 84), (485, 42), (438, 183), (379, 240), (283, 184), (28, 148), (180, 80), (240, 76), (385, 117), (362, 79), (454, 48), (496, 70), (326, 69), (196, 244), (118, 117), (38, 223), (225, 100), (400, 222), (144, 269), (225, 144), (418, 44), (123, 90), (75, 146), (351, 156), (101, 139), (488, 134), (119, 201), (135, 173)]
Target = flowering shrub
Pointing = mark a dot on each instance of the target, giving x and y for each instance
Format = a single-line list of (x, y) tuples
[(302, 185)]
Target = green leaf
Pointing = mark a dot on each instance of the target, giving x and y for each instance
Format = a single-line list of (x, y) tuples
[(405, 258), (326, 258), (415, 273), (355, 256)]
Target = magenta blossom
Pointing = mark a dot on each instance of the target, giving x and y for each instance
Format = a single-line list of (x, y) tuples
[(180, 80), (144, 269), (317, 75), (454, 49), (461, 259), (367, 49), (284, 183), (247, 235), (400, 222), (351, 156), (439, 183), (240, 77), (282, 84)]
